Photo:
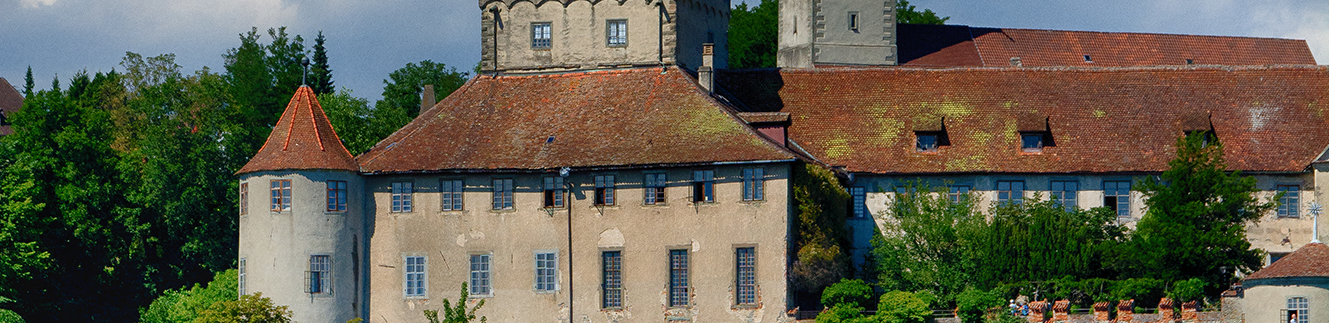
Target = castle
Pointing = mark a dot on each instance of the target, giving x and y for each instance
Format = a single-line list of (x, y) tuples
[(606, 167)]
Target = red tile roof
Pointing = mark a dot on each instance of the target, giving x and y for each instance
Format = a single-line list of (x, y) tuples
[(1311, 260), (619, 118), (952, 45), (10, 101), (303, 139), (1101, 119)]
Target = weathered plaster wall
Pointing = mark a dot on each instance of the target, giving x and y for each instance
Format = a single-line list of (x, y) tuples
[(818, 32), (277, 246), (644, 234)]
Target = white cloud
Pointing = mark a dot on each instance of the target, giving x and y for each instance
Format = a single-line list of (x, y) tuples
[(37, 3)]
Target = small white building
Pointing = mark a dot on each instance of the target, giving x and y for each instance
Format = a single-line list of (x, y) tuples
[(1297, 283)]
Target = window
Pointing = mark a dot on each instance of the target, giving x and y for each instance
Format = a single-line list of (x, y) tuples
[(927, 142), (336, 195), (703, 186), (240, 281), (503, 194), (616, 32), (1117, 197), (958, 192), (553, 192), (540, 35), (320, 272), (546, 271), (244, 198), (604, 190), (1065, 192), (281, 195), (746, 273), (655, 188), (1275, 256), (451, 189), (678, 278), (753, 180), (612, 275), (480, 275), (1010, 192), (859, 197), (1299, 306), (853, 20), (401, 197), (1290, 203), (415, 277), (1031, 142)]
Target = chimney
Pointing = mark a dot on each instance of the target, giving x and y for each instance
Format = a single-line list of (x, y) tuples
[(706, 73), (427, 98)]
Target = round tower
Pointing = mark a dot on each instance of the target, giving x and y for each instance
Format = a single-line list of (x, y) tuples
[(301, 226)]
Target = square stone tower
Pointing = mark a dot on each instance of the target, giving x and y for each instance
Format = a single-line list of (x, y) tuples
[(836, 32), (562, 35)]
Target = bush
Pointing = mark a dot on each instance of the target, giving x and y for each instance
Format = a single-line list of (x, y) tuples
[(7, 316), (185, 304), (972, 304), (1188, 290), (841, 313), (252, 308), (903, 307), (854, 292), (1145, 291)]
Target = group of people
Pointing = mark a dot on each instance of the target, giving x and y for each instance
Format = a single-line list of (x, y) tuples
[(1020, 309)]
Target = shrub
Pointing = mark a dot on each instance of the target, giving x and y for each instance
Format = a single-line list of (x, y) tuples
[(854, 292), (903, 307), (1188, 290), (1145, 291), (972, 304), (185, 304), (841, 313), (252, 308)]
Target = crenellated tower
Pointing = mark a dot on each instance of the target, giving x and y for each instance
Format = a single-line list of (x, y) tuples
[(836, 32), (302, 240)]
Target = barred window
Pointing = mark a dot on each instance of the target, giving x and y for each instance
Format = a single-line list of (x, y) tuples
[(414, 276), (244, 198), (401, 197), (958, 192), (1010, 192), (480, 275), (753, 182), (703, 186), (451, 189), (746, 270), (612, 275), (604, 190), (616, 32), (320, 273), (678, 278), (336, 195), (546, 271), (1065, 193), (554, 191), (503, 194), (1289, 204), (654, 188), (1117, 197), (858, 196), (540, 35), (281, 195)]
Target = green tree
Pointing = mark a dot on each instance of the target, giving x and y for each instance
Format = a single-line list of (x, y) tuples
[(909, 14), (27, 83), (250, 308), (752, 35), (185, 305), (973, 304), (402, 90), (920, 246), (822, 241), (903, 307), (459, 313), (349, 116), (320, 74), (851, 291), (1195, 226)]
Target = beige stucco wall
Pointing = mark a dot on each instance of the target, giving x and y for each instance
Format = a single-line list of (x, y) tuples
[(277, 246), (1267, 303), (644, 234)]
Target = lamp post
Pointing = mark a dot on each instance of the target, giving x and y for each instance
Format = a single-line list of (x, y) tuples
[(567, 202)]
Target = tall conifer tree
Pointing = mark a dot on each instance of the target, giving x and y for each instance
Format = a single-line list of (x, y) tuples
[(320, 74)]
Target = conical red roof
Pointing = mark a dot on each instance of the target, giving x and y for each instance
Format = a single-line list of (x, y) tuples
[(302, 139)]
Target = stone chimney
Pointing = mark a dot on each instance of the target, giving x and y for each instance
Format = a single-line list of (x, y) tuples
[(427, 98), (706, 73)]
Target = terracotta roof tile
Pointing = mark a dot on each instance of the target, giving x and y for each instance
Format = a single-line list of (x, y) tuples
[(954, 45), (1311, 260), (1101, 119), (302, 139), (642, 116), (10, 101)]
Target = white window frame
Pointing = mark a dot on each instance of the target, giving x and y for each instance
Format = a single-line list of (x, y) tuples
[(281, 195), (503, 196), (402, 193), (616, 32), (415, 268), (481, 275), (546, 268), (451, 193), (323, 271), (542, 35), (240, 279)]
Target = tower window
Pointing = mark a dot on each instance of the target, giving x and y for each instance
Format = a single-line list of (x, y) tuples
[(244, 198), (281, 195), (401, 197), (541, 36), (853, 21), (604, 190), (616, 32), (240, 280), (336, 195)]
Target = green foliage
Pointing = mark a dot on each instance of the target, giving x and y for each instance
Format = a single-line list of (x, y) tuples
[(27, 83), (908, 14), (920, 247), (250, 308), (842, 313), (1195, 226), (973, 304), (320, 74), (8, 316), (349, 116), (1188, 290), (185, 305), (823, 240), (401, 94), (752, 35), (847, 291), (903, 307), (459, 313), (1145, 291), (1002, 317)]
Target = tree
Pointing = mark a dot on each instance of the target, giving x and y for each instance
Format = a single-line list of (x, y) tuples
[(903, 307), (185, 305), (822, 241), (320, 74), (459, 313), (250, 308), (752, 35), (401, 94), (27, 83), (349, 116), (1195, 226), (908, 14)]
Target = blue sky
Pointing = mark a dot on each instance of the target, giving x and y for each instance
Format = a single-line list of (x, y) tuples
[(369, 39)]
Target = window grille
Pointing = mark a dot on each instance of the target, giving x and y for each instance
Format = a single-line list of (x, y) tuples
[(746, 268), (320, 274), (503, 194), (604, 190), (612, 275), (678, 278), (616, 32), (451, 189), (480, 275), (401, 197), (541, 35), (415, 277), (859, 196), (546, 273), (753, 182)]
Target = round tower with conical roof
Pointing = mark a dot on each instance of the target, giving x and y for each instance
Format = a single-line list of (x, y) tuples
[(301, 225)]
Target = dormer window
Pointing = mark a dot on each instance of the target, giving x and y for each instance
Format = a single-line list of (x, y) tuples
[(1034, 132), (930, 134), (928, 141), (1032, 142), (1206, 136)]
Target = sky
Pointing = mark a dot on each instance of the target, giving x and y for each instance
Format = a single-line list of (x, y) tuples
[(367, 39)]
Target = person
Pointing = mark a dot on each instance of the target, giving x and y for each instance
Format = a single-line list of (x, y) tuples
[(1292, 318), (1014, 308), (1025, 311)]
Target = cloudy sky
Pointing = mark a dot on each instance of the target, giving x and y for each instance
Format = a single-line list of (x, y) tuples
[(367, 39)]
